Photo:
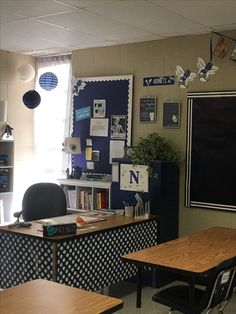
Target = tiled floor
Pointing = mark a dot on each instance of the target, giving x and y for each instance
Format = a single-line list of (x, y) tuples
[(127, 292)]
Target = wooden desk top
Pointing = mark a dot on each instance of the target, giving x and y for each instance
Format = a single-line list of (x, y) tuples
[(42, 296), (111, 222), (196, 253)]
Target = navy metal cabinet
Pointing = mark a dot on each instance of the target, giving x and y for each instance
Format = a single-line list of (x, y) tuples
[(163, 195)]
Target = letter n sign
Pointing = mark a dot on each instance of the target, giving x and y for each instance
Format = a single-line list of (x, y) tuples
[(134, 178)]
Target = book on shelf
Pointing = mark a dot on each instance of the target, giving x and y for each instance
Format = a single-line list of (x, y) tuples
[(82, 199), (72, 198), (102, 201), (90, 201), (85, 200)]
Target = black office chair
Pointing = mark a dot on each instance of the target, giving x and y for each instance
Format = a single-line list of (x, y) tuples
[(217, 293), (43, 200)]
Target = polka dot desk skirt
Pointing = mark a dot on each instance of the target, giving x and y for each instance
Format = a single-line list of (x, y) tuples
[(90, 262)]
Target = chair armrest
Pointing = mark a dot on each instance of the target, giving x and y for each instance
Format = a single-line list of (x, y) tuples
[(17, 215)]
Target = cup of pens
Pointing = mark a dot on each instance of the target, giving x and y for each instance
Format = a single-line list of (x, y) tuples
[(129, 211)]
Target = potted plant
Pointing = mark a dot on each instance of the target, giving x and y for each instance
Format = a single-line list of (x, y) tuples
[(153, 147)]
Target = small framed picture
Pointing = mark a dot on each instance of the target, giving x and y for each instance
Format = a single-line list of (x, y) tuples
[(147, 109), (222, 47), (99, 108), (118, 127), (128, 151), (171, 114), (95, 155)]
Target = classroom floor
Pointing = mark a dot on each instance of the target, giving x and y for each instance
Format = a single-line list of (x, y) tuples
[(127, 292)]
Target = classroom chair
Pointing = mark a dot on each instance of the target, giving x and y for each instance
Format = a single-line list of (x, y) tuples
[(216, 293), (43, 200)]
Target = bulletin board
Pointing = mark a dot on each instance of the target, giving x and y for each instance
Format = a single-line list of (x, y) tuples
[(211, 150), (102, 118)]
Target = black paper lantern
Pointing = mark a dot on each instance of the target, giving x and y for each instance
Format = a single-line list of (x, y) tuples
[(31, 99), (48, 81)]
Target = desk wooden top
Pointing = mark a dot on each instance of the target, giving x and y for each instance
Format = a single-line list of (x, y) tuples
[(196, 253), (42, 296), (110, 222)]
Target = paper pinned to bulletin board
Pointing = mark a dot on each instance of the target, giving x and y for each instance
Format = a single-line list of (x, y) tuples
[(100, 106)]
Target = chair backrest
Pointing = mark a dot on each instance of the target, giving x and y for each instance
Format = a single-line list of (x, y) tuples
[(43, 200), (221, 284)]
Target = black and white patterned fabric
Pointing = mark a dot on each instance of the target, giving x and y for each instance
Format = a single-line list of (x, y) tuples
[(90, 262), (24, 258)]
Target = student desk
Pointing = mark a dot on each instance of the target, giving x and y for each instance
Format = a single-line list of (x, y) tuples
[(191, 255), (90, 260), (40, 296)]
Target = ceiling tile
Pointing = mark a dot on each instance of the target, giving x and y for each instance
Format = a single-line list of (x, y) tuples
[(33, 8), (14, 42), (148, 16), (85, 3), (227, 27), (42, 30), (91, 23), (209, 13), (38, 26), (8, 16)]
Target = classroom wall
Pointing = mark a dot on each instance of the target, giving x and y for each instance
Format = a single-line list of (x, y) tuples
[(155, 58), (159, 58), (19, 117)]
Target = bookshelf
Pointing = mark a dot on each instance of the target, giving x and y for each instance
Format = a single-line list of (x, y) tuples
[(6, 178), (86, 194)]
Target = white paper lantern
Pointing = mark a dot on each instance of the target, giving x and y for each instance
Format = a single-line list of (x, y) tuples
[(26, 72)]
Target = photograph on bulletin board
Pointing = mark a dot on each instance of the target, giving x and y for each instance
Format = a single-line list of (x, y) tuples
[(95, 155), (118, 127), (99, 108), (148, 109), (171, 114)]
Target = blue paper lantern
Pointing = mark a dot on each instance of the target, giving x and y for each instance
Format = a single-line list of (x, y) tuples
[(48, 81), (31, 99)]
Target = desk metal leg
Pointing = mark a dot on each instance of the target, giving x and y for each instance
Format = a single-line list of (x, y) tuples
[(54, 261), (191, 292), (139, 286)]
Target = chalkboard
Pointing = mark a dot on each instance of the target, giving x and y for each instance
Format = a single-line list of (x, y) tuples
[(211, 150), (102, 114)]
